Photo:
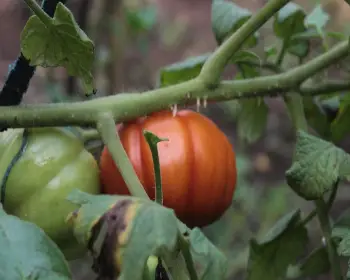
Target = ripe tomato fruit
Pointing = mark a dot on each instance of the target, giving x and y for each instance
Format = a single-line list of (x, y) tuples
[(198, 164), (53, 163)]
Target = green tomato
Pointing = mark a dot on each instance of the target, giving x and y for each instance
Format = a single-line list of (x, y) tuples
[(53, 163)]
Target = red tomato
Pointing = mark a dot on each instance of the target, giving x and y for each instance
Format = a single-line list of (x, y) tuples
[(198, 164)]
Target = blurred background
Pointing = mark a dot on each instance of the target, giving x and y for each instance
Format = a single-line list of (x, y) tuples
[(133, 40)]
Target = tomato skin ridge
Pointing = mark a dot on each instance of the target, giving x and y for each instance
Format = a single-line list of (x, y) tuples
[(12, 164)]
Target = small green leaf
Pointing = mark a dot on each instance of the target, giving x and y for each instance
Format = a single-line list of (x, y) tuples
[(316, 263), (182, 71), (270, 51), (317, 19), (317, 166), (252, 119), (210, 262), (62, 43), (270, 258), (28, 253), (341, 235), (244, 56), (340, 126), (289, 21), (227, 18)]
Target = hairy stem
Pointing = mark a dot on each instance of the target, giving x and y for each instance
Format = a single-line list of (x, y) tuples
[(106, 127), (214, 66), (44, 17)]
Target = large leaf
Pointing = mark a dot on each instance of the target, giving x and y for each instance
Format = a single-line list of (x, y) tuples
[(28, 253), (210, 262), (122, 232), (60, 43), (226, 18), (182, 71), (252, 119), (316, 263), (342, 235), (317, 166), (269, 259), (289, 21)]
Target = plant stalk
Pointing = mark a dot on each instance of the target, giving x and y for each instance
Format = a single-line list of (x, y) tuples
[(40, 13), (322, 213), (106, 127)]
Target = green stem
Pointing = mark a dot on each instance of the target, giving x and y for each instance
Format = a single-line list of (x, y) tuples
[(106, 127), (322, 212), (185, 249), (152, 141), (129, 106), (296, 111), (214, 66), (294, 102), (330, 201), (282, 52), (39, 12)]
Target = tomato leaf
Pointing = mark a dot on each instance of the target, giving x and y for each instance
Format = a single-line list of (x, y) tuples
[(227, 18), (340, 125), (128, 232), (28, 253), (316, 263), (252, 119), (62, 43), (182, 71), (244, 56), (317, 19), (283, 244), (317, 166), (289, 21), (211, 263), (342, 235)]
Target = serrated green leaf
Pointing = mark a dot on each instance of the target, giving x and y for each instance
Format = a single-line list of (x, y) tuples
[(210, 262), (28, 253), (252, 119), (316, 263), (182, 71), (288, 22), (269, 259), (317, 166), (62, 43), (317, 19), (226, 18), (340, 125)]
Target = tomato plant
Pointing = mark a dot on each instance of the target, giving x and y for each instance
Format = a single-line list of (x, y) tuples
[(52, 164), (176, 161), (197, 163)]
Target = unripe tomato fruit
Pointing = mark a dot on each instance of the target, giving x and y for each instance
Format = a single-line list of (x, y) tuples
[(198, 164), (53, 164)]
